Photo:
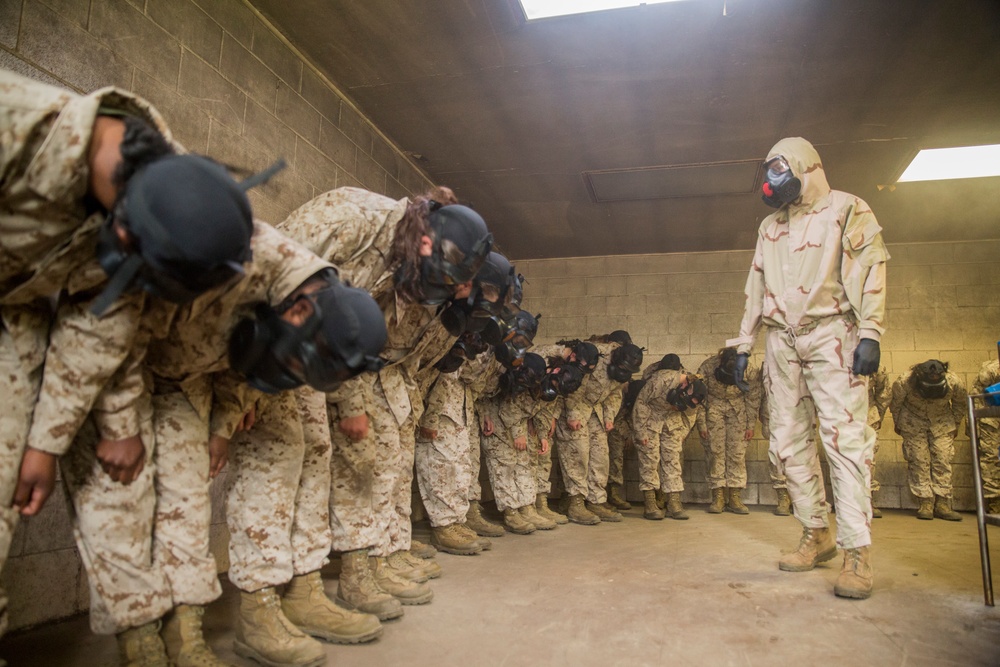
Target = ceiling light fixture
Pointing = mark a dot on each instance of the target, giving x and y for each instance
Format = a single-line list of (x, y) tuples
[(541, 9), (938, 164)]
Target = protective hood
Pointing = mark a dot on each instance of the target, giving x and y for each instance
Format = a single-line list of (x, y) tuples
[(806, 166)]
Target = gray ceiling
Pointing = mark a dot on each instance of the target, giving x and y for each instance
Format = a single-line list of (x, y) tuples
[(512, 115)]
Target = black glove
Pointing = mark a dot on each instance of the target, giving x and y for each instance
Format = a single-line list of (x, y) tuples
[(739, 370), (866, 357)]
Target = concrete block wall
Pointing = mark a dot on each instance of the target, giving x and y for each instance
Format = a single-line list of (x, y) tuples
[(229, 86), (943, 302)]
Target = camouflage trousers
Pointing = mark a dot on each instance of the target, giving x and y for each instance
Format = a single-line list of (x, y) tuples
[(583, 458), (989, 463), (778, 480), (660, 460), (278, 492), (928, 462), (540, 463), (475, 490), (511, 473), (23, 341), (444, 472), (113, 527), (817, 364), (725, 449), (618, 441)]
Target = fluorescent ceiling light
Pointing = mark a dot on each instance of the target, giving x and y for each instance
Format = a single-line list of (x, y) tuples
[(938, 164), (540, 9)]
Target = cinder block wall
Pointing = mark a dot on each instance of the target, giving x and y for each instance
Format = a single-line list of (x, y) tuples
[(943, 302), (230, 87)]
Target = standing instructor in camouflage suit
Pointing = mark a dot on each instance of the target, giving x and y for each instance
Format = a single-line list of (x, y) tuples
[(817, 283)]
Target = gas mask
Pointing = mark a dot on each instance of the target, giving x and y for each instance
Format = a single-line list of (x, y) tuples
[(190, 225), (585, 355), (511, 337), (560, 381), (780, 185), (525, 376), (931, 379), (725, 371), (471, 345), (461, 243), (688, 395), (341, 339), (625, 362)]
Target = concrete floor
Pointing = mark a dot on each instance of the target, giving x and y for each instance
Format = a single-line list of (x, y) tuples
[(698, 592)]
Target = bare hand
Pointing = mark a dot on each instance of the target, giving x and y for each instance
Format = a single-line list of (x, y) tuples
[(552, 427), (608, 426), (218, 455), (521, 443), (574, 424), (122, 460), (249, 419), (703, 435), (748, 434), (487, 428), (645, 442), (428, 433), (36, 481), (545, 447), (355, 428)]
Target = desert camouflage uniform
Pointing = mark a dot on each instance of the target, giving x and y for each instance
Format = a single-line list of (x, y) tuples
[(989, 433), (512, 472), (539, 426), (655, 420), (818, 284), (928, 427), (619, 439), (484, 387), (879, 395), (370, 495), (727, 416), (777, 473), (583, 454), (193, 397), (48, 229)]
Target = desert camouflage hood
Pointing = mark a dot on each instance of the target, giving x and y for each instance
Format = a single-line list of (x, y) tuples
[(806, 165)]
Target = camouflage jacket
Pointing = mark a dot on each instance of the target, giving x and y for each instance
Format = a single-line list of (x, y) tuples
[(728, 399), (989, 374), (821, 256), (598, 394), (48, 229), (879, 395), (652, 412), (914, 414), (448, 397), (354, 229), (515, 413)]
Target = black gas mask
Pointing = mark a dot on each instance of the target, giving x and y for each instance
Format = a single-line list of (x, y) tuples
[(189, 225), (625, 361), (560, 381), (931, 379), (687, 396), (725, 372), (341, 339), (471, 345), (461, 243), (780, 185), (525, 376), (585, 355), (511, 337)]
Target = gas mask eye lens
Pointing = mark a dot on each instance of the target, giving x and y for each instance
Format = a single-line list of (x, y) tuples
[(777, 165)]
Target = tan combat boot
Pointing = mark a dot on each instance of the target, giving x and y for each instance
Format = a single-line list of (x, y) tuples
[(943, 510), (536, 519), (661, 499), (675, 510), (421, 550), (142, 647), (718, 503), (265, 635), (650, 510), (876, 512), (412, 568), (306, 605), (477, 522), (993, 505), (604, 512), (484, 542), (735, 504), (406, 591), (358, 590), (784, 507), (616, 496), (430, 568), (926, 509), (816, 546), (451, 539), (856, 577), (542, 507), (516, 523), (577, 512), (183, 638)]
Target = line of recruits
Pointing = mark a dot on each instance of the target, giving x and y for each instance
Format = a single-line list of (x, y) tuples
[(153, 331)]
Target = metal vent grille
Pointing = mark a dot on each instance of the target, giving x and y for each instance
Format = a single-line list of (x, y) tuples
[(737, 177)]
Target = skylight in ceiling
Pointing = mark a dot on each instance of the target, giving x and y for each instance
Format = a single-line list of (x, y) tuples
[(938, 164), (541, 9)]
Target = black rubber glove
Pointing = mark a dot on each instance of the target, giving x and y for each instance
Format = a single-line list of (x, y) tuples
[(739, 370), (866, 357)]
